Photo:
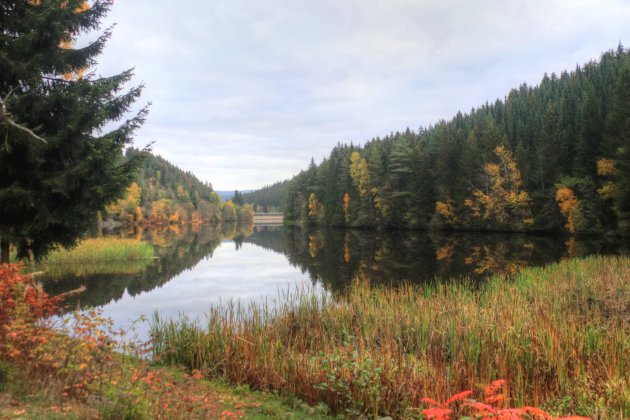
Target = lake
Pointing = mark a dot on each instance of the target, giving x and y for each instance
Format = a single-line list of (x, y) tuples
[(197, 268)]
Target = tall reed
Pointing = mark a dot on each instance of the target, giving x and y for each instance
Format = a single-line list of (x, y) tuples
[(559, 335), (102, 249)]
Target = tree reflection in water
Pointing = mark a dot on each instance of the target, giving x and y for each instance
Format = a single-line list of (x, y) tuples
[(332, 257)]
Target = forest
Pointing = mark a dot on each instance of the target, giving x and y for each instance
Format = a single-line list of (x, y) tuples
[(549, 158), (162, 194), (268, 199)]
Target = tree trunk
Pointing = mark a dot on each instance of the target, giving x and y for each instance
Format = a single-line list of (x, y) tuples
[(5, 246)]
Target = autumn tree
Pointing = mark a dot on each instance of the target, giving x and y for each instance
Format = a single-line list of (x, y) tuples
[(128, 208), (569, 206), (228, 213), (503, 202), (50, 190)]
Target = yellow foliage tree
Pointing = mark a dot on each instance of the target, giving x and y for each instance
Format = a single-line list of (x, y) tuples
[(606, 168), (315, 208), (228, 212), (128, 207), (446, 210), (379, 202), (359, 173), (569, 206), (504, 196)]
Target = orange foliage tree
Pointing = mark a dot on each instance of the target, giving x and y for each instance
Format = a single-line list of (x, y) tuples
[(569, 206)]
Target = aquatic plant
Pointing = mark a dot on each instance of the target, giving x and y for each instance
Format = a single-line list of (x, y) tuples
[(557, 334), (102, 249)]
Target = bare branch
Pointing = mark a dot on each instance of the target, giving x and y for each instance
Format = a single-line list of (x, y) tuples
[(5, 118)]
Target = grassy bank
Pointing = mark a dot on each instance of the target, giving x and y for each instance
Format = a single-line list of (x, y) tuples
[(558, 335), (99, 256), (101, 250)]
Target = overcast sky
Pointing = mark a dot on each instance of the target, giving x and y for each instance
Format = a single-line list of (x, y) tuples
[(245, 92)]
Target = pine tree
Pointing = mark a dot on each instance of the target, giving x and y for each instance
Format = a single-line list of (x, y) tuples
[(50, 190), (619, 127)]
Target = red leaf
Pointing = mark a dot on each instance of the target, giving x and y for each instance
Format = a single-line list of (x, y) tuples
[(493, 399), (494, 387), (431, 402), (437, 413), (482, 409), (458, 397)]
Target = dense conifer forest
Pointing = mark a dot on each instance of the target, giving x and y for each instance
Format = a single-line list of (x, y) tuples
[(554, 157), (163, 194)]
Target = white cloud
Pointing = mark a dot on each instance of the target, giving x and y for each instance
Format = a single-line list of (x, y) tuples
[(245, 92)]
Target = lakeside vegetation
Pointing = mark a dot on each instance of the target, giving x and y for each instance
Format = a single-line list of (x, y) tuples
[(94, 250), (558, 335), (555, 157), (82, 367), (93, 256)]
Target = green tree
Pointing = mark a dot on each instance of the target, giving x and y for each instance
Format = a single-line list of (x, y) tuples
[(238, 198), (50, 191), (619, 127)]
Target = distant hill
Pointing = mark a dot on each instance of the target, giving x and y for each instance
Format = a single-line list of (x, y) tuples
[(228, 195), (160, 179), (162, 193), (270, 197)]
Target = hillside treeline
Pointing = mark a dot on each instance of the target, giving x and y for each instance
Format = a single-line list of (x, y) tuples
[(164, 194), (269, 198), (546, 158)]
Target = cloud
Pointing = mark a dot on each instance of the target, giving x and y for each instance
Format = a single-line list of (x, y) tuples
[(244, 93)]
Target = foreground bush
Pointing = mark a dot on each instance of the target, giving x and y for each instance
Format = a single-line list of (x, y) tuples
[(80, 366), (558, 335)]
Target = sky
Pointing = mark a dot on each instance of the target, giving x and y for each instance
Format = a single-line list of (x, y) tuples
[(245, 92)]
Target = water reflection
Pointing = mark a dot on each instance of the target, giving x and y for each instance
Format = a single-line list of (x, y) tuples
[(177, 248), (257, 259), (335, 257)]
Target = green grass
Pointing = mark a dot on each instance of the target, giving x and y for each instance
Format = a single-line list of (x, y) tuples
[(559, 335), (84, 269), (102, 249), (24, 400)]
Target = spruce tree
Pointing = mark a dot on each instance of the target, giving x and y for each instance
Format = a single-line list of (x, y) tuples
[(57, 165), (619, 127)]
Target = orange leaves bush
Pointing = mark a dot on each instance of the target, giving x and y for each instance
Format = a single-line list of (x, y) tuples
[(68, 354), (78, 356), (491, 406), (21, 296)]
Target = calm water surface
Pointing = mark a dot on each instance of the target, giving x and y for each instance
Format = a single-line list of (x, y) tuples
[(197, 269)]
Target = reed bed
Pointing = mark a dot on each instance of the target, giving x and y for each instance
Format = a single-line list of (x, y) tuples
[(559, 335), (102, 249), (58, 271)]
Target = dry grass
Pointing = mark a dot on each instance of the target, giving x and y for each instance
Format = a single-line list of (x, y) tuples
[(558, 335)]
